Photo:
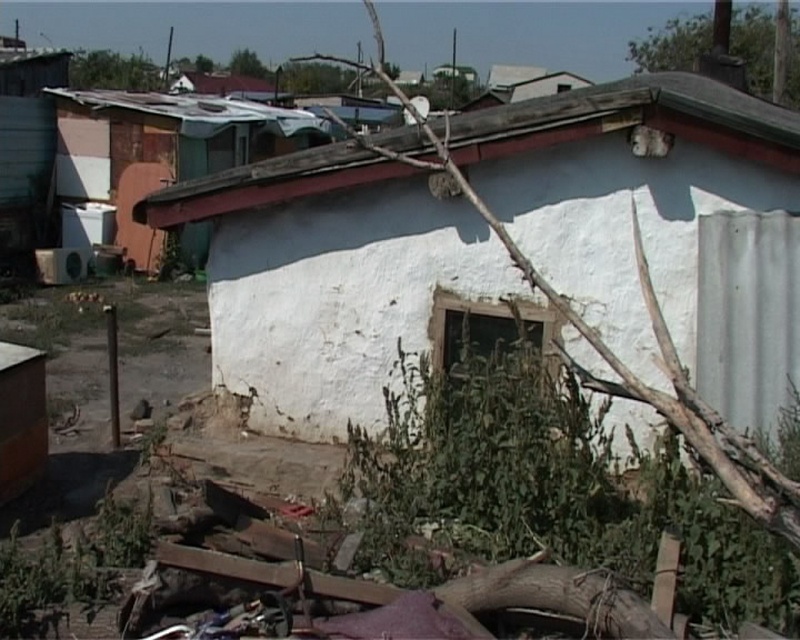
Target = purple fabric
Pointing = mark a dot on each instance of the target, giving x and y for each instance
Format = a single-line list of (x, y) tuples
[(413, 616)]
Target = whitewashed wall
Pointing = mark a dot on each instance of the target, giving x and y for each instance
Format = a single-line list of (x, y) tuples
[(308, 301)]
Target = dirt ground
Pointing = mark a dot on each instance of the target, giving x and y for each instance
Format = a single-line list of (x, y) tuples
[(162, 361)]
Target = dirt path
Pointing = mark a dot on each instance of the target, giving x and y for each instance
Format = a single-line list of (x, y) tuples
[(160, 370), (162, 361)]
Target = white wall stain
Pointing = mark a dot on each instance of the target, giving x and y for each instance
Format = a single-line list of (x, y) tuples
[(318, 270)]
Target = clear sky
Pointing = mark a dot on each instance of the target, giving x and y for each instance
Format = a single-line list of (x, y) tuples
[(587, 38)]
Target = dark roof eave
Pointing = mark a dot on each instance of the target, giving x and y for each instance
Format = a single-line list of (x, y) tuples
[(506, 121)]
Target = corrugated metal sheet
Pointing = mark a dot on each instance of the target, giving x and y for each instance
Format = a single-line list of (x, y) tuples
[(748, 347), (27, 147)]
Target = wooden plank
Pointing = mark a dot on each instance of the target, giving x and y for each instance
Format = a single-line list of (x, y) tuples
[(273, 542), (229, 505), (347, 551), (275, 575), (665, 584)]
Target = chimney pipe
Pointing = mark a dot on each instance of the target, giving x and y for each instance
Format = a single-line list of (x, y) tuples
[(723, 14)]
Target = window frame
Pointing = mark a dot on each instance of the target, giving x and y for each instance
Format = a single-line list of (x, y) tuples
[(445, 301)]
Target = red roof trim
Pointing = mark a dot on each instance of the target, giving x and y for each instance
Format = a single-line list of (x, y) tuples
[(258, 196), (723, 139)]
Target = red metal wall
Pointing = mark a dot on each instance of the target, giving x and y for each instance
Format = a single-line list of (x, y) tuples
[(23, 427)]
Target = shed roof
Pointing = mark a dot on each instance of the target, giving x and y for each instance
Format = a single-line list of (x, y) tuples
[(12, 355), (201, 116), (502, 76), (694, 98), (11, 57)]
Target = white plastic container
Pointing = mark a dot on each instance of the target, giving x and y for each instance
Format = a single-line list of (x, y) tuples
[(87, 224)]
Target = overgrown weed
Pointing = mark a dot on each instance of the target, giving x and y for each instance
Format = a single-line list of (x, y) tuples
[(506, 459), (54, 575)]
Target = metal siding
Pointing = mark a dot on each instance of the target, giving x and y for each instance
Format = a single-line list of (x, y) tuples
[(747, 346), (27, 146)]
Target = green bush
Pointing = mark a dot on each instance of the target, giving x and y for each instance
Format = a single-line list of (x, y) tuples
[(49, 575), (506, 458)]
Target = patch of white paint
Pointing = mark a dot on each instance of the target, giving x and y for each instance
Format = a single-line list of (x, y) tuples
[(83, 177), (308, 301)]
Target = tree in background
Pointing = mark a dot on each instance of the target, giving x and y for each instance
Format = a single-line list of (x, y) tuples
[(245, 62), (203, 64), (392, 70), (677, 46), (103, 69), (316, 77)]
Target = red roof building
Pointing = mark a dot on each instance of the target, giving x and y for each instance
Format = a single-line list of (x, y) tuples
[(194, 82)]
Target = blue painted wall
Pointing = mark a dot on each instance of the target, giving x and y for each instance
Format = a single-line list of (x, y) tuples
[(28, 137)]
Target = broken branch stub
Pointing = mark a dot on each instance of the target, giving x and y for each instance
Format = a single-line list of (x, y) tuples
[(774, 503)]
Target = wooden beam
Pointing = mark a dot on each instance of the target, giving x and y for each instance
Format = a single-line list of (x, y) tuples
[(275, 575), (273, 542), (665, 585)]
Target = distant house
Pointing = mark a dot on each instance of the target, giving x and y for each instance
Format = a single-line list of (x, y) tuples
[(26, 73), (460, 71), (334, 100), (321, 260), (411, 78), (115, 147), (219, 84), (490, 98), (502, 77), (546, 85), (9, 42)]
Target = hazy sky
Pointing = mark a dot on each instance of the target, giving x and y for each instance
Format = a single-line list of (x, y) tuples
[(587, 38)]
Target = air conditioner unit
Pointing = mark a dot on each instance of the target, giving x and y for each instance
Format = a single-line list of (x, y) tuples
[(63, 266)]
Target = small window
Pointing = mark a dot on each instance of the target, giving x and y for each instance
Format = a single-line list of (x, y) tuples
[(490, 326), (564, 87), (486, 333)]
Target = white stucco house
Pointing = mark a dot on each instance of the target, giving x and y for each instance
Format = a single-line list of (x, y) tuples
[(322, 259)]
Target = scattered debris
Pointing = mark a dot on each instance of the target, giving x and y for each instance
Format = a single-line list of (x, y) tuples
[(142, 410), (179, 422)]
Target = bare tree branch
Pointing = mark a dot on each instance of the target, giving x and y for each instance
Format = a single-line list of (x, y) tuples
[(382, 151), (593, 383), (376, 29), (663, 336), (328, 58), (688, 413)]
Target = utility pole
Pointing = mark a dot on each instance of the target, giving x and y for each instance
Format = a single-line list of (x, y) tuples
[(16, 34), (169, 59), (782, 47), (453, 74), (360, 72)]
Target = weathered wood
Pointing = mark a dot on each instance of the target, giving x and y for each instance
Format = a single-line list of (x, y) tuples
[(281, 575), (273, 542), (347, 551), (229, 505), (195, 521), (665, 584), (617, 612)]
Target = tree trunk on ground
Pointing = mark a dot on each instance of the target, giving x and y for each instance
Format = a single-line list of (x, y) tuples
[(607, 608)]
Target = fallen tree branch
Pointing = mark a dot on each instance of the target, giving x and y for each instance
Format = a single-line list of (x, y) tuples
[(688, 413), (596, 598), (382, 151)]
